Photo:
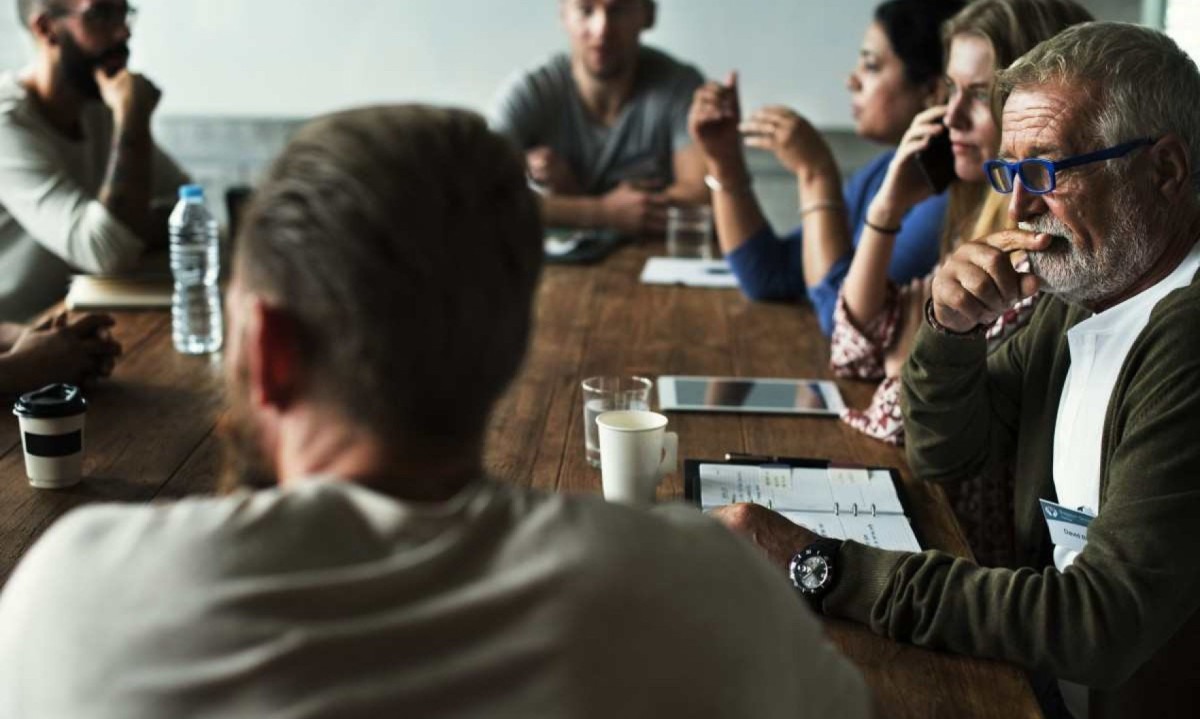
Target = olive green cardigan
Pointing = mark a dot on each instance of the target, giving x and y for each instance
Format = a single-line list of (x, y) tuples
[(1123, 619)]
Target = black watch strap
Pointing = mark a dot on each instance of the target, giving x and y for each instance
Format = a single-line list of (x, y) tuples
[(827, 550)]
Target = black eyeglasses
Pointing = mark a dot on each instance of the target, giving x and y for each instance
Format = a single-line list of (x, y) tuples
[(104, 15), (1038, 175)]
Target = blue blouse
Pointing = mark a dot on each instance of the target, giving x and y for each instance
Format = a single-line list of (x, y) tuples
[(771, 268)]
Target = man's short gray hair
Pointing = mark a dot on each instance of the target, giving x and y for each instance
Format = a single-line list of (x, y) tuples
[(1143, 84)]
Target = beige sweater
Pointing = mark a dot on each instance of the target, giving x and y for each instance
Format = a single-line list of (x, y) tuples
[(51, 222), (330, 600)]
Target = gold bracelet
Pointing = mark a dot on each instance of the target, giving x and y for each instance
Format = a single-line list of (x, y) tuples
[(819, 206)]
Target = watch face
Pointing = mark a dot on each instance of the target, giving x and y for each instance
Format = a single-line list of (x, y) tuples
[(812, 573)]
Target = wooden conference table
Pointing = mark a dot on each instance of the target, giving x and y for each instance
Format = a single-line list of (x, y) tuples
[(151, 435)]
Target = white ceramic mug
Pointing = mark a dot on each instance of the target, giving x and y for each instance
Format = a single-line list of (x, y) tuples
[(635, 452)]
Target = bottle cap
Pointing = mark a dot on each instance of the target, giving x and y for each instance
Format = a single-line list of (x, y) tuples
[(191, 192)]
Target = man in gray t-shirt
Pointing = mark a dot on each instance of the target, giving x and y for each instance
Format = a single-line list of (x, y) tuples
[(604, 128)]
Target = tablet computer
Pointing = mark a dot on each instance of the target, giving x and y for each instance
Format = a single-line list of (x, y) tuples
[(749, 394)]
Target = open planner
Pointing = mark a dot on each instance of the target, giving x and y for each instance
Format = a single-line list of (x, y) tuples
[(854, 503)]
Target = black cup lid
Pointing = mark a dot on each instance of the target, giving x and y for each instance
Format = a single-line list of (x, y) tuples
[(56, 400)]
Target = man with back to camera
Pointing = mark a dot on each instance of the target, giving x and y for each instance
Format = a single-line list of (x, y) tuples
[(1095, 404), (381, 301), (604, 127), (83, 187)]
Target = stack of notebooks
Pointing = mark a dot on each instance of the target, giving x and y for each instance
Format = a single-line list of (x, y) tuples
[(855, 503)]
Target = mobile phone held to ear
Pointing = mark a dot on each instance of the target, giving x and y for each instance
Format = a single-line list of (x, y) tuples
[(937, 162)]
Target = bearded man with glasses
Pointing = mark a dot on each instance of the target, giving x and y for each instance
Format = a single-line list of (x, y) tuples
[(83, 187), (1095, 404)]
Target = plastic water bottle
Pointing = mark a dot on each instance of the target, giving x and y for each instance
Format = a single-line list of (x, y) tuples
[(196, 323)]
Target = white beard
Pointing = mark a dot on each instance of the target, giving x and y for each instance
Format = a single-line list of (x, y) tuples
[(1081, 276)]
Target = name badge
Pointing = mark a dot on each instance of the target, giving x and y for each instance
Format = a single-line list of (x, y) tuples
[(1068, 527)]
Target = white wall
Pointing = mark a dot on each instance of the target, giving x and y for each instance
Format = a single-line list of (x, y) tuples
[(1183, 24), (300, 57)]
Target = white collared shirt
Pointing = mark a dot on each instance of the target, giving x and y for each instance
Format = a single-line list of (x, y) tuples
[(1098, 347)]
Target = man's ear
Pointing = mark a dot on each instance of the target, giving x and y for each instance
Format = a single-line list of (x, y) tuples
[(651, 14), (1172, 167), (41, 28), (272, 356)]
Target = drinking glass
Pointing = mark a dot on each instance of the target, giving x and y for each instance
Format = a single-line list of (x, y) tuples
[(689, 231), (603, 394)]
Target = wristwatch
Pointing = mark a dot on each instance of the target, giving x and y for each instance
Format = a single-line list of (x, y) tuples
[(813, 570)]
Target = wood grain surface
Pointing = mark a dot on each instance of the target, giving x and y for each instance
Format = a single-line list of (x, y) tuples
[(151, 435)]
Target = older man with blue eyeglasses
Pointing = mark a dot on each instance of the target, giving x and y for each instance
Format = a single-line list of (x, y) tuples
[(1095, 405)]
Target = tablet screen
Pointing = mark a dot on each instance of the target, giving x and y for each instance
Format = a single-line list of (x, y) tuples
[(749, 393)]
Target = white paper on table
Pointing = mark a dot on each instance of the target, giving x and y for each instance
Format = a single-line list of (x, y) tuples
[(840, 502), (774, 487), (688, 272), (885, 531), (824, 524), (803, 489), (865, 489)]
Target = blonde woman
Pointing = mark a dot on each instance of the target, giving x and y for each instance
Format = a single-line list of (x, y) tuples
[(875, 318)]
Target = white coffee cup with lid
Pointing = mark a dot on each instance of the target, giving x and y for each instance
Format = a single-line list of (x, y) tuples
[(52, 420), (635, 452)]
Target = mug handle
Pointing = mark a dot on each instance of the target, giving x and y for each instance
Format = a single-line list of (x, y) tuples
[(670, 453)]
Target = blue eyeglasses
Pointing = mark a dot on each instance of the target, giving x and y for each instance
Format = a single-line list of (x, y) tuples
[(1038, 175)]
